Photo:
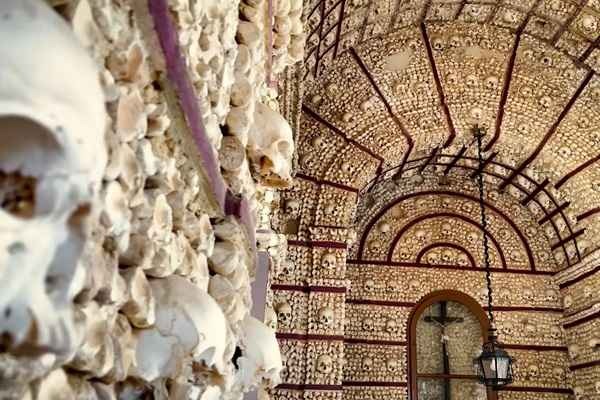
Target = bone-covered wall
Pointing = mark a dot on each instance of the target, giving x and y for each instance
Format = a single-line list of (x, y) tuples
[(144, 150), (353, 341)]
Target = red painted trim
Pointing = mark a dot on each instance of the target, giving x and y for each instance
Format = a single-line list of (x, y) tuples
[(385, 303), (564, 241), (337, 131), (374, 384), (530, 389), (535, 192), (531, 347), (438, 85), (550, 132), (579, 278), (294, 386), (308, 289), (339, 28), (505, 90), (588, 214), (527, 309), (577, 170), (446, 244), (398, 200), (516, 185), (385, 263), (375, 342), (585, 365), (421, 218), (328, 289), (582, 320), (401, 127), (445, 376), (317, 243), (411, 329), (554, 212), (308, 336), (325, 182)]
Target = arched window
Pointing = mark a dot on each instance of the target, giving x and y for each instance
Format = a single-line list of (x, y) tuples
[(446, 331)]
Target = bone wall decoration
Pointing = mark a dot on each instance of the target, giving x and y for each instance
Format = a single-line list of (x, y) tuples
[(134, 177), (259, 199)]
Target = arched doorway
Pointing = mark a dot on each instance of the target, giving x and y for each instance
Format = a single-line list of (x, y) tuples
[(446, 330)]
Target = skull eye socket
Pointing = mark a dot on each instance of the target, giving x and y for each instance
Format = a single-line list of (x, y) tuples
[(28, 150), (283, 147)]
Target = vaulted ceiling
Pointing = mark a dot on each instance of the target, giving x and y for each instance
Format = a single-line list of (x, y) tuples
[(393, 90)]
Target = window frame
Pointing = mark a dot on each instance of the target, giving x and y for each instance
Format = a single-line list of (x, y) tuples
[(435, 297)]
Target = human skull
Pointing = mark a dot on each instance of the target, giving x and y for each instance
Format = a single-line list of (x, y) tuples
[(559, 374), (447, 257), (374, 245), (367, 364), (528, 296), (369, 285), (324, 364), (433, 257), (597, 385), (579, 393), (271, 146), (392, 365), (292, 207), (368, 324), (507, 329), (482, 294), (462, 260), (284, 313), (391, 326), (574, 351), (421, 236), (329, 261), (530, 329), (52, 159), (555, 332), (188, 322), (532, 372), (326, 316), (261, 358), (414, 285), (384, 227), (588, 292)]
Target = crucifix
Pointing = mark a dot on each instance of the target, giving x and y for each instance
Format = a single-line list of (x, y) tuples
[(443, 320)]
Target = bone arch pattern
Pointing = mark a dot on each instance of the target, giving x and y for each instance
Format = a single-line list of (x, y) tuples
[(390, 116)]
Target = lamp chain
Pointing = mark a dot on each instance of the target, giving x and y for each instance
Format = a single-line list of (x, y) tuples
[(486, 251)]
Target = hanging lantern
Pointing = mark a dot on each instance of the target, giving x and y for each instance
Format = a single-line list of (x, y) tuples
[(494, 365)]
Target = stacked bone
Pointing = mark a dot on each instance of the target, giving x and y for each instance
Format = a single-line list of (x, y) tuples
[(288, 34), (138, 312), (252, 140)]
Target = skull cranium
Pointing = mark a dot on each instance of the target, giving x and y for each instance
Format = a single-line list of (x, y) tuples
[(326, 316), (325, 364), (52, 120), (292, 207), (284, 313), (391, 326), (329, 261), (271, 147)]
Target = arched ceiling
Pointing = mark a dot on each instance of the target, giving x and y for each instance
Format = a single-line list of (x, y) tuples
[(393, 89)]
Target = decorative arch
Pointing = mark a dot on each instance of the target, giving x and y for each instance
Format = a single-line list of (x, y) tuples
[(454, 246), (373, 221), (422, 218), (442, 295)]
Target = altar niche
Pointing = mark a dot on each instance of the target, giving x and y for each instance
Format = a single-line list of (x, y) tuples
[(446, 331)]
